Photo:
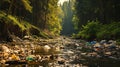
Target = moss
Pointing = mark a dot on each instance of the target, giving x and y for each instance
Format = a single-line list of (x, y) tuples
[(16, 22), (19, 27)]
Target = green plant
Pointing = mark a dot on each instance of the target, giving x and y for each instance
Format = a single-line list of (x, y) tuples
[(90, 30)]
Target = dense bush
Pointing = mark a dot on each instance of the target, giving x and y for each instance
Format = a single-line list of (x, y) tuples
[(90, 30), (95, 30), (109, 31)]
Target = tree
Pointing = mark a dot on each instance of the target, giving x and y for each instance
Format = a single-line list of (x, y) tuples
[(105, 11), (68, 26), (46, 15), (10, 17)]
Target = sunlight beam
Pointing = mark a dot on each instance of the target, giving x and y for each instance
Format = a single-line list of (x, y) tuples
[(62, 1)]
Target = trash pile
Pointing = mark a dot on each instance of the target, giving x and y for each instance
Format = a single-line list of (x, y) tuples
[(107, 49), (59, 52), (91, 54), (95, 54), (27, 51)]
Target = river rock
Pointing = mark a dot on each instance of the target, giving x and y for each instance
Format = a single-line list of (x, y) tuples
[(108, 53), (5, 49)]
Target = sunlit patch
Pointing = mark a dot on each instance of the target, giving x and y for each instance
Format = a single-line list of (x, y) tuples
[(62, 1)]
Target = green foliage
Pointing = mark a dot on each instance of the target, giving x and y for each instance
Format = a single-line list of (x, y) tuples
[(95, 30), (14, 24), (2, 14), (11, 20), (109, 31), (75, 22), (67, 23), (14, 7), (105, 11), (89, 30), (27, 5), (47, 15), (54, 19)]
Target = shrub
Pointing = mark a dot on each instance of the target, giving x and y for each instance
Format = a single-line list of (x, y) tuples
[(95, 30), (90, 30), (109, 31)]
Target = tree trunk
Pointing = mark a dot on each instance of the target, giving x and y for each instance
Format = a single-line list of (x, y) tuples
[(4, 32)]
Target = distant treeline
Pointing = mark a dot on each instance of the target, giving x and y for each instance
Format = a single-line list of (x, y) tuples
[(97, 19)]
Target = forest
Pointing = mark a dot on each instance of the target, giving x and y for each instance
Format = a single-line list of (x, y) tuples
[(97, 19), (78, 18), (60, 33), (29, 17)]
